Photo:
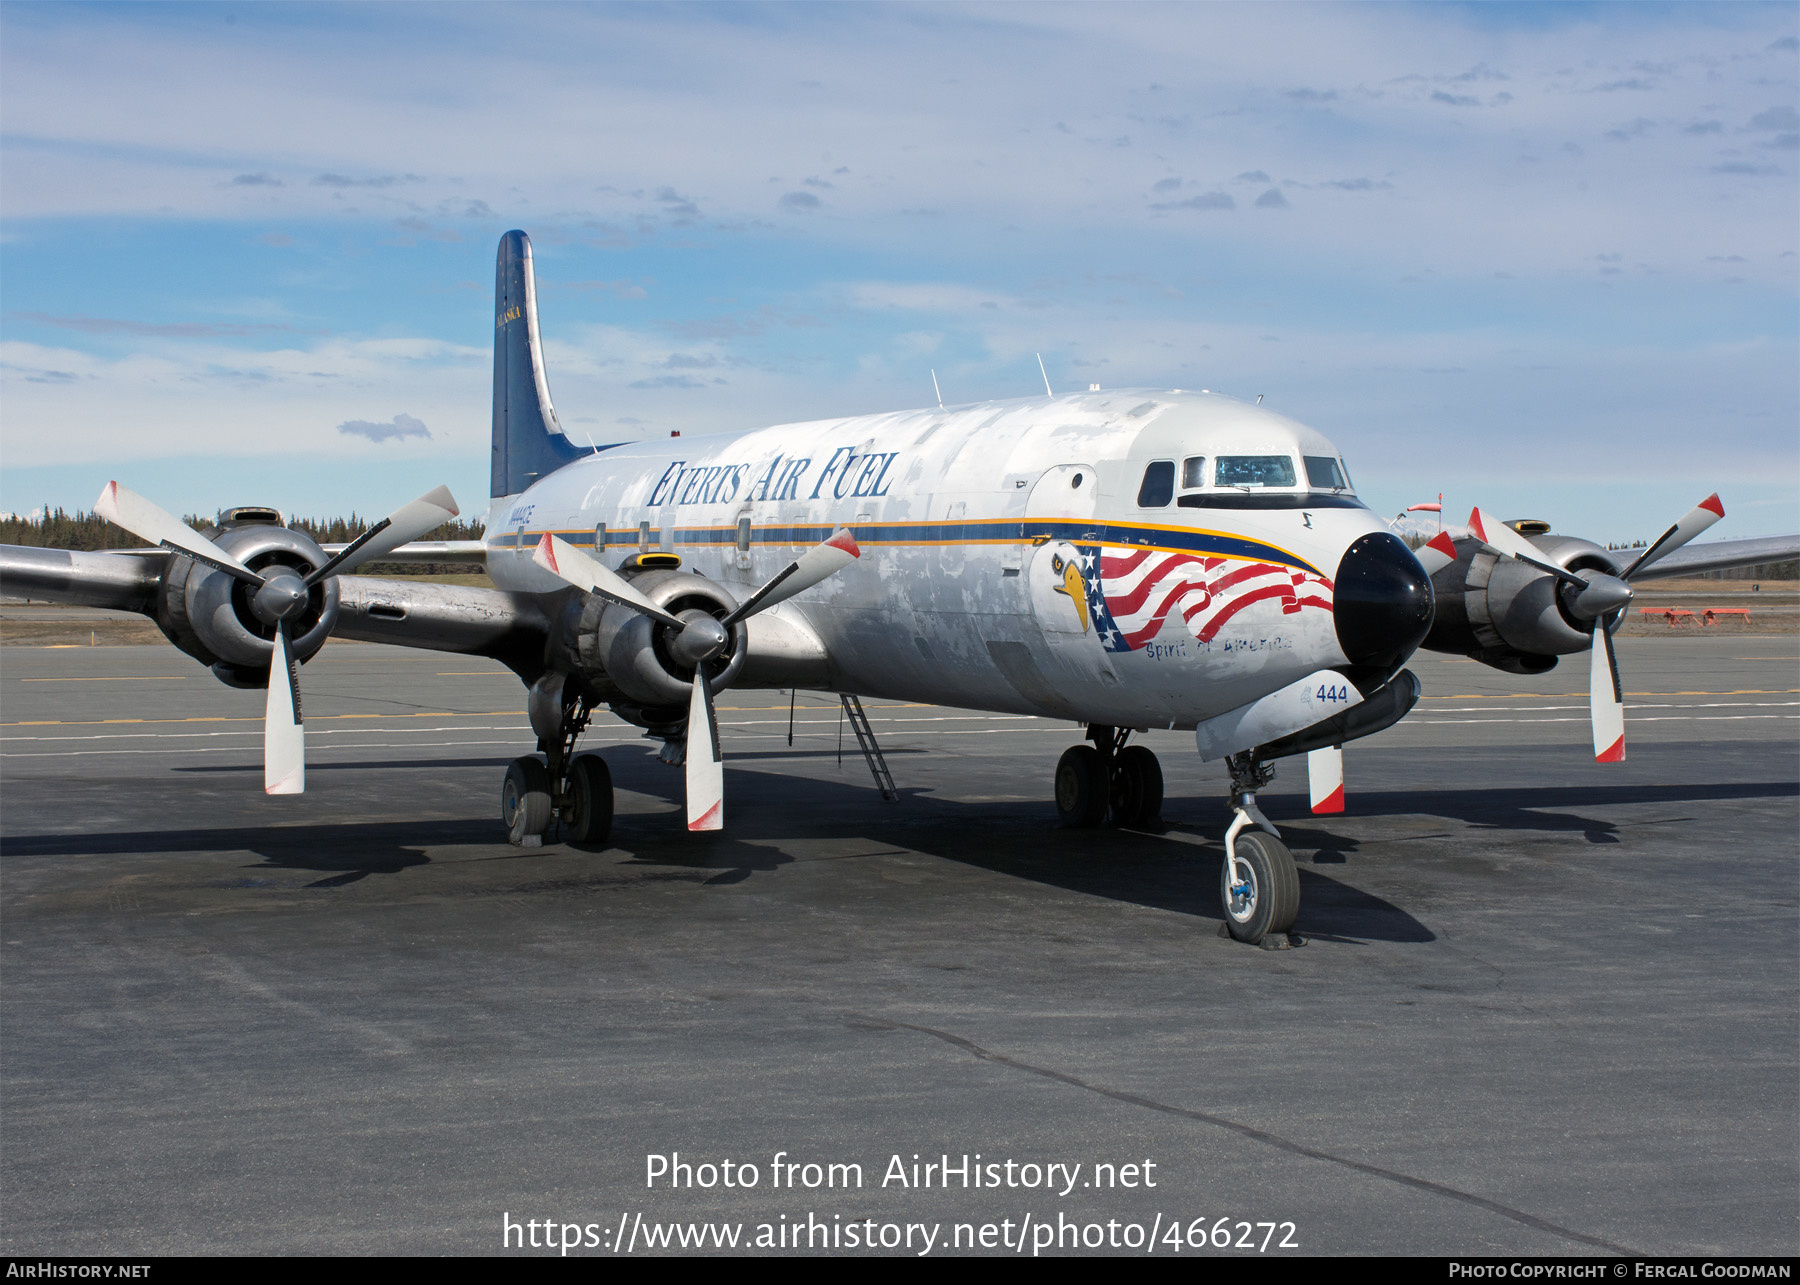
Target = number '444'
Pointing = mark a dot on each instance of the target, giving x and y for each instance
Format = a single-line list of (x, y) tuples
[(1338, 695)]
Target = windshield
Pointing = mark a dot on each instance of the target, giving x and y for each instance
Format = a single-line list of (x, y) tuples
[(1323, 472), (1254, 470), (1271, 482)]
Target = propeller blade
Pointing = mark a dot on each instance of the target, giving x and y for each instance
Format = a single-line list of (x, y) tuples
[(1606, 699), (1325, 778), (1703, 515), (125, 507), (803, 573), (404, 525), (705, 766), (1502, 538), (284, 738), (557, 556), (1436, 554)]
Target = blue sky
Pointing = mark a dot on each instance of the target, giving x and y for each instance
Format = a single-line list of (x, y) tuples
[(1538, 257)]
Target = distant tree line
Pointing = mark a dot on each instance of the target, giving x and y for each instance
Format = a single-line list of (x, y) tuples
[(88, 532)]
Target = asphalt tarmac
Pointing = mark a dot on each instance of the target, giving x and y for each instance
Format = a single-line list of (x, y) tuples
[(1544, 1006)]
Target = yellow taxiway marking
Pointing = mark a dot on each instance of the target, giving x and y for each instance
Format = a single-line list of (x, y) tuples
[(129, 678), (1507, 696), (316, 718), (326, 718)]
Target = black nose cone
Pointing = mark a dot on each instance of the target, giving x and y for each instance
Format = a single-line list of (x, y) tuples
[(1382, 603)]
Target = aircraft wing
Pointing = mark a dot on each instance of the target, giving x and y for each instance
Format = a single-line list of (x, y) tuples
[(472, 552), (120, 581), (508, 627), (1719, 555)]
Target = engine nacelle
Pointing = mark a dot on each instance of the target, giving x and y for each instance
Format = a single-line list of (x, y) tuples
[(625, 656), (207, 613), (1512, 616)]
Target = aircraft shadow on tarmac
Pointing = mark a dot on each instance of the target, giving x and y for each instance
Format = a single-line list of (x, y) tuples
[(1141, 868)]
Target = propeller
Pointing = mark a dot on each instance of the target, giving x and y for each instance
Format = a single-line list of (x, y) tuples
[(279, 595), (1325, 778), (1594, 595), (697, 639)]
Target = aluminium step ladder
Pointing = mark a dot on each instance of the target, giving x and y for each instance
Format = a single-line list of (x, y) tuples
[(865, 737)]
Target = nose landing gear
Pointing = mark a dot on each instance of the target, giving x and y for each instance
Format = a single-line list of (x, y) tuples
[(1259, 886), (1108, 775)]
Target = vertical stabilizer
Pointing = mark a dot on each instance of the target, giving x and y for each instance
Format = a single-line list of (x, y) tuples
[(528, 442)]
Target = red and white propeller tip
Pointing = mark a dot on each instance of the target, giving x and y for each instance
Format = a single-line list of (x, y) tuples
[(1698, 519), (1606, 698), (1325, 779), (124, 507), (562, 559), (1437, 553), (704, 767)]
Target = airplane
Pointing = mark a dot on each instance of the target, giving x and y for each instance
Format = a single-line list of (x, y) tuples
[(1124, 559)]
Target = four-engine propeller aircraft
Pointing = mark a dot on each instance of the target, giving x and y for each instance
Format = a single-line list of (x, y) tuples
[(1124, 560)]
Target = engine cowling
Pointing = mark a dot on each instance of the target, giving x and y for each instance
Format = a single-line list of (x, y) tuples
[(208, 614), (1512, 616), (626, 656)]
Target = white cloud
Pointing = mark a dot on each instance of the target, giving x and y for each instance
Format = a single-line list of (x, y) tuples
[(953, 112)]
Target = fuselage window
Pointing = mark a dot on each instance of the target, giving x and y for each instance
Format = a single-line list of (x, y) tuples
[(1254, 470), (1193, 472), (743, 536), (1159, 485), (1324, 474)]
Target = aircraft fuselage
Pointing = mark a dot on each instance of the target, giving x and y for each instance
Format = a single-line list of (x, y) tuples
[(1015, 555)]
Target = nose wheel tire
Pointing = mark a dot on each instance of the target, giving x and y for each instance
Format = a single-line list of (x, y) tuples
[(525, 801), (1266, 895), (590, 811), (1082, 790), (1137, 787)]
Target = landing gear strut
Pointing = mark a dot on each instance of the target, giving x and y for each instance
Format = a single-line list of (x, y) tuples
[(565, 787), (1258, 884), (1108, 775)]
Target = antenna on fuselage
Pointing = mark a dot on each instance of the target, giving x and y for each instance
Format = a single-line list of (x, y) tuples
[(1046, 376), (1259, 398), (937, 390)]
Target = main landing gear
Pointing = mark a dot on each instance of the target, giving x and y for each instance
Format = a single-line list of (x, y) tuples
[(575, 790), (1258, 884), (1108, 775)]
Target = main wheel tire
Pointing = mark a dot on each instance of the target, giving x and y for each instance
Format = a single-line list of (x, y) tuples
[(525, 800), (1269, 898), (1137, 787), (1082, 789), (590, 801)]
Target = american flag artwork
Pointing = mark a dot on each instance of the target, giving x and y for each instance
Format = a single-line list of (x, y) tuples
[(1131, 593)]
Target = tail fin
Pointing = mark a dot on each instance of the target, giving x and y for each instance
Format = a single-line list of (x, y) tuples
[(528, 442)]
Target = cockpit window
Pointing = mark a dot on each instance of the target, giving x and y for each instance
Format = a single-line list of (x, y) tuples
[(1159, 485), (1268, 482), (1193, 472), (1254, 470), (1323, 473)]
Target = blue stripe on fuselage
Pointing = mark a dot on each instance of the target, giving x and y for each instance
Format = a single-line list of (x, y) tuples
[(1015, 531)]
